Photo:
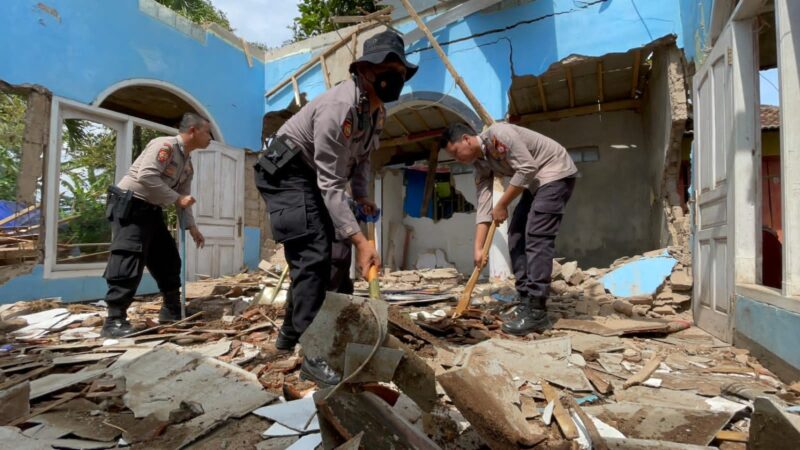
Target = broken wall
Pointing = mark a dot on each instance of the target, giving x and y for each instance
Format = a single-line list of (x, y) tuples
[(609, 189), (79, 51), (664, 118), (488, 48), (83, 52), (453, 236)]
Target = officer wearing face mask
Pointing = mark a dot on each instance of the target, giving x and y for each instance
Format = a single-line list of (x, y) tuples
[(303, 176)]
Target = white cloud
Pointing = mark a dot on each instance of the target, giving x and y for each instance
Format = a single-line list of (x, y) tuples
[(264, 21)]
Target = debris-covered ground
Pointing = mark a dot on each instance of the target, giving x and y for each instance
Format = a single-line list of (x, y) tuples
[(619, 369)]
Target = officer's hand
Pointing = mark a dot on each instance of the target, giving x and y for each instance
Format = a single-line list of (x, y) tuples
[(500, 214), (369, 207), (199, 239), (479, 259), (185, 201), (366, 257)]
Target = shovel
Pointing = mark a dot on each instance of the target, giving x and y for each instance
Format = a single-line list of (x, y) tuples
[(466, 296), (182, 225)]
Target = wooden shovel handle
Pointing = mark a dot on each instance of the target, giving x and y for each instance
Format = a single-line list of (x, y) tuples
[(466, 296), (372, 278)]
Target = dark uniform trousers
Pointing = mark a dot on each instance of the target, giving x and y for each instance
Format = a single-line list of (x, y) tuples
[(532, 237), (318, 262), (141, 241)]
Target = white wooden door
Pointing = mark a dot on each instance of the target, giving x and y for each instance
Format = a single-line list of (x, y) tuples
[(713, 254), (218, 186)]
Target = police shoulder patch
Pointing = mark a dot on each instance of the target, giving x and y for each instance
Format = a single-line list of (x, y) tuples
[(347, 128), (164, 153)]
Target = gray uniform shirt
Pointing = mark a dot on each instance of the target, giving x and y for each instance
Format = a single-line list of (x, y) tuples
[(529, 158), (161, 174), (336, 144)]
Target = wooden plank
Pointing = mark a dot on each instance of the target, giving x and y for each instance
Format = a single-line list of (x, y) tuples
[(349, 37), (354, 46), (562, 416), (430, 180), (642, 375), (598, 443), (601, 385), (325, 72), (600, 84), (732, 436), (542, 97), (637, 62), (296, 88), (476, 104), (412, 138), (17, 215), (570, 87), (619, 105)]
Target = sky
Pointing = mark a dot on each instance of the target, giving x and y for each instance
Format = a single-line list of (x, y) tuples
[(263, 21)]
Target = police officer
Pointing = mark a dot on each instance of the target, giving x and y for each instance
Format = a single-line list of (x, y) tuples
[(303, 176), (160, 176), (544, 174)]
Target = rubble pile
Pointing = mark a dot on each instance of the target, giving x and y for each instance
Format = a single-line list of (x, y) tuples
[(414, 376)]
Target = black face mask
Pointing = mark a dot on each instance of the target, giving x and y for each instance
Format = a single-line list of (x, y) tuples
[(388, 85)]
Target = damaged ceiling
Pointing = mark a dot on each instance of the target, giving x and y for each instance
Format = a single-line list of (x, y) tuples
[(579, 85), (150, 103), (411, 132)]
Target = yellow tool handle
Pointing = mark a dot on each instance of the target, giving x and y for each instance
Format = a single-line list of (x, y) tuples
[(466, 296), (372, 278)]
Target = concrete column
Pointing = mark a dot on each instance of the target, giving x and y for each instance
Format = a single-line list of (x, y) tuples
[(787, 18)]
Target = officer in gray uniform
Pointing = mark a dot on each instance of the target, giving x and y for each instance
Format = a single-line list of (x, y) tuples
[(303, 175), (544, 174), (161, 176)]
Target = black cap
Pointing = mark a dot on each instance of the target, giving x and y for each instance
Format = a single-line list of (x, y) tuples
[(378, 47)]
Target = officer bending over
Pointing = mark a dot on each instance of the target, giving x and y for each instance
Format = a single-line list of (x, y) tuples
[(544, 174), (303, 176)]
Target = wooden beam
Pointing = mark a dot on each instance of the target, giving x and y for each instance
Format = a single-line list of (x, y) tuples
[(476, 104), (598, 443), (296, 88), (336, 46), (420, 118), (411, 138), (542, 97), (17, 215), (377, 15), (354, 46), (559, 412), (570, 87), (430, 180), (619, 105), (600, 93), (325, 73), (637, 61)]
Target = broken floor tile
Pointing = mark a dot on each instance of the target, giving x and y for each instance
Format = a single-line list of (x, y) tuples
[(673, 424), (278, 443), (294, 414), (160, 380), (55, 382), (278, 430), (307, 442), (772, 428)]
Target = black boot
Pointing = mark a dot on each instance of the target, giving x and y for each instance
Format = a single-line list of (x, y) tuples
[(170, 308), (318, 371), (285, 341), (529, 319), (116, 328)]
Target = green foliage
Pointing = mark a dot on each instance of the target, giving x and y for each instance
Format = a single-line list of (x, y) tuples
[(12, 129), (87, 169), (315, 15), (198, 11)]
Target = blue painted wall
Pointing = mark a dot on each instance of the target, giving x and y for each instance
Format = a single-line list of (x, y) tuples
[(34, 286), (252, 247), (94, 44), (773, 328), (79, 49), (524, 40)]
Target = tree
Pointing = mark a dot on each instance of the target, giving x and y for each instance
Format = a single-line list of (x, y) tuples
[(198, 11), (12, 129), (315, 15)]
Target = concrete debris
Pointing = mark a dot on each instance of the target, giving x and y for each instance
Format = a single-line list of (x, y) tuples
[(73, 393), (771, 427)]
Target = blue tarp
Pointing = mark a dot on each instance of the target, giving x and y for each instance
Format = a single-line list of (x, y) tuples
[(9, 208)]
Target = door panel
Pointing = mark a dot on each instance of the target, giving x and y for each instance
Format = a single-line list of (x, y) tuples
[(218, 186), (713, 289)]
